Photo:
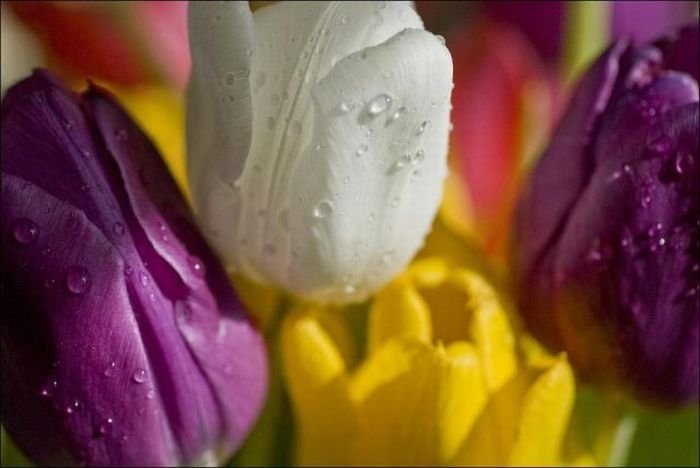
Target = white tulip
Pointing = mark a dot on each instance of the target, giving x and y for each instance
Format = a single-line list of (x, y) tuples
[(317, 140)]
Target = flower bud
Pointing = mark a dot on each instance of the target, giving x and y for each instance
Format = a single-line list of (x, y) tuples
[(123, 343), (317, 140), (607, 234)]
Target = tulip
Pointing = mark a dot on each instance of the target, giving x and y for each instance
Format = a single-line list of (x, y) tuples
[(447, 379), (606, 246), (317, 140), (123, 343)]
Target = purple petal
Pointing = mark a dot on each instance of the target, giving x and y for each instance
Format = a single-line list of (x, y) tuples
[(565, 166), (138, 322)]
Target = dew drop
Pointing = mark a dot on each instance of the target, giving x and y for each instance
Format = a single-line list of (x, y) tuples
[(45, 393), (121, 134), (379, 104), (362, 149), (77, 280), (150, 394), (344, 20), (423, 125), (323, 210), (25, 231), (49, 283), (419, 157), (197, 266), (344, 106), (109, 370), (128, 270), (403, 161), (318, 147), (371, 217), (118, 228), (143, 279), (139, 376), (395, 202), (346, 179), (661, 145), (46, 251), (684, 162), (398, 113)]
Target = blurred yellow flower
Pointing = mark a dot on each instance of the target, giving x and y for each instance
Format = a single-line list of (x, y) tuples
[(446, 379)]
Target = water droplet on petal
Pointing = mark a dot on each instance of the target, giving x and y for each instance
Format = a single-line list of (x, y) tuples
[(403, 161), (109, 370), (150, 394), (419, 157), (139, 376), (197, 266), (362, 149), (49, 283), (423, 125), (346, 179), (398, 113), (323, 209), (77, 280), (395, 202), (344, 20), (344, 106), (25, 231), (684, 162), (379, 104), (118, 228), (143, 279), (661, 145)]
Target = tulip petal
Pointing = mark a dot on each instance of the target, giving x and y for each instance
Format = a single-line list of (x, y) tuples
[(300, 63), (545, 415), (315, 376), (410, 381), (219, 112), (379, 172), (171, 355), (648, 254)]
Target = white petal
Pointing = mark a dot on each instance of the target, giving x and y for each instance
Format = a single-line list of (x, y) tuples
[(219, 109), (381, 168), (306, 213)]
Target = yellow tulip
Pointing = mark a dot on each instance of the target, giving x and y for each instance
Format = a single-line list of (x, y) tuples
[(447, 379)]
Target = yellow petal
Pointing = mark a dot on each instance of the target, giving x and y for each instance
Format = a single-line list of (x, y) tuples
[(416, 402), (314, 372), (490, 329), (545, 417), (464, 395), (398, 312)]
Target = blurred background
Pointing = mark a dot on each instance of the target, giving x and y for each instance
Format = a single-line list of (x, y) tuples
[(514, 62)]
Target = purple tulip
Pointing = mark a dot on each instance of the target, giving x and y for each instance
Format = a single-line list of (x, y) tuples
[(607, 232), (122, 341)]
